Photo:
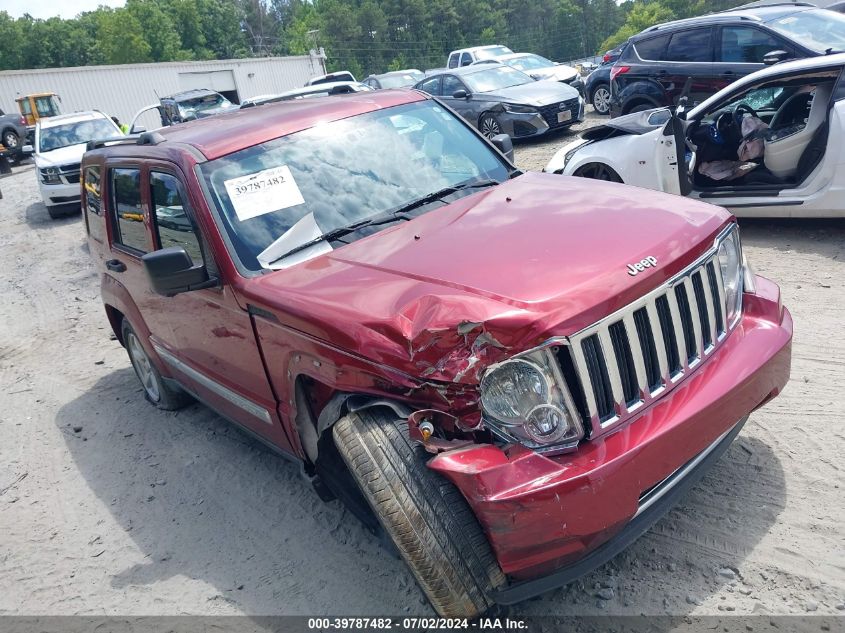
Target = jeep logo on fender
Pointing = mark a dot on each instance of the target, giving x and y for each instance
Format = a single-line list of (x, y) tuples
[(640, 266)]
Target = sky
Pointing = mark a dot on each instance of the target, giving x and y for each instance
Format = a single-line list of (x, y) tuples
[(54, 8)]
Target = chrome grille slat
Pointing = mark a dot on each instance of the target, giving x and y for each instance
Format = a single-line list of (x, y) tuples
[(679, 327)]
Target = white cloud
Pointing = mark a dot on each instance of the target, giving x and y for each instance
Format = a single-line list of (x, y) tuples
[(51, 8)]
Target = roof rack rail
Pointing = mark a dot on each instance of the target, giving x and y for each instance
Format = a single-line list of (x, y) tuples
[(145, 138), (773, 3), (699, 18)]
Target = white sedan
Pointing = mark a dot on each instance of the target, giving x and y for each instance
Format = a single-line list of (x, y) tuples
[(767, 145)]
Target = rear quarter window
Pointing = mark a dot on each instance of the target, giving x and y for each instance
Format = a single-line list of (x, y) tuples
[(652, 48)]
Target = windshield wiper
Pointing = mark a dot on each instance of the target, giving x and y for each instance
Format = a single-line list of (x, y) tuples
[(398, 213)]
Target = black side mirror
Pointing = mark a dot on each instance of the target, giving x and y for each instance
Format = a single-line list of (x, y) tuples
[(460, 94), (171, 271), (504, 144), (775, 57)]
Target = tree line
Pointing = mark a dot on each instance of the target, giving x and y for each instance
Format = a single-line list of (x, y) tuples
[(363, 36)]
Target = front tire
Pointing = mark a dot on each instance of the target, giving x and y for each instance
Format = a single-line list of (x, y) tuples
[(601, 99), (156, 390), (425, 516), (598, 171), (489, 125)]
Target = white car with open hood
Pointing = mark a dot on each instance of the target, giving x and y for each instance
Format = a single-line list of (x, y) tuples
[(768, 145)]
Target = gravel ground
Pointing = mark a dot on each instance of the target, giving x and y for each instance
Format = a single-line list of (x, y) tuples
[(108, 506)]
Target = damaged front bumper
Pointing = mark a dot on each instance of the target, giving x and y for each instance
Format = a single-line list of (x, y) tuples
[(553, 519)]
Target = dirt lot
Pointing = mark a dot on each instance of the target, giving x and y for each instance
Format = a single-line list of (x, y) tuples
[(108, 506)]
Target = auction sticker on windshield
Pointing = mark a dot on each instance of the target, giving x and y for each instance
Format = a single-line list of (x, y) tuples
[(263, 192)]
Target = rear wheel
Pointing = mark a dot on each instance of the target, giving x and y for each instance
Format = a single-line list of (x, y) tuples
[(426, 517), (11, 140), (156, 390), (489, 125), (601, 99), (598, 171)]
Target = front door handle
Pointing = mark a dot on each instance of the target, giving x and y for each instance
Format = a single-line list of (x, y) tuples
[(115, 265), (728, 74)]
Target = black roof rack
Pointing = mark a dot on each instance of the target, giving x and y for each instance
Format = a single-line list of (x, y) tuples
[(145, 138), (773, 3)]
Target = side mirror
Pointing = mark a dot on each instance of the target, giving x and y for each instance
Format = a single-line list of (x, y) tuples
[(172, 271), (504, 144), (775, 57), (27, 149), (460, 94), (137, 129)]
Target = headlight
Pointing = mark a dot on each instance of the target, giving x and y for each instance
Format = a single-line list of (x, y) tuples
[(50, 176), (518, 109), (568, 156), (525, 399), (730, 264)]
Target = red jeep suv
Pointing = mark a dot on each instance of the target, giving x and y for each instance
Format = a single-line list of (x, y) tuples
[(511, 376)]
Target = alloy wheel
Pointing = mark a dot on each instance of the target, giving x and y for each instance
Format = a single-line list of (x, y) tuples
[(601, 100), (10, 140), (490, 127), (143, 367)]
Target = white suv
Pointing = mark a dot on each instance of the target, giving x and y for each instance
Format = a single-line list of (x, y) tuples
[(60, 142), (467, 56)]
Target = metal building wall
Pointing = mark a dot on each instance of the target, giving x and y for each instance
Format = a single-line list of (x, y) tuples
[(123, 90)]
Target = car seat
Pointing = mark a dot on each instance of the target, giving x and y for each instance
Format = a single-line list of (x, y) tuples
[(784, 146)]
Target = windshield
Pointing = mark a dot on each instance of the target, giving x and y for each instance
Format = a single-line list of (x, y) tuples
[(201, 104), (817, 29), (496, 79), (493, 51), (330, 176), (59, 136), (530, 62), (399, 81)]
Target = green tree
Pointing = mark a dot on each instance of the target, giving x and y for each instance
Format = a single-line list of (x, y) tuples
[(157, 29), (120, 38), (641, 16)]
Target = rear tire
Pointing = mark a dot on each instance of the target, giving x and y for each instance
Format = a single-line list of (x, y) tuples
[(426, 517), (601, 99), (156, 390), (12, 141)]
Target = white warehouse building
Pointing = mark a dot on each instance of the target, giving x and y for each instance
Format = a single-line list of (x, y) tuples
[(122, 90)]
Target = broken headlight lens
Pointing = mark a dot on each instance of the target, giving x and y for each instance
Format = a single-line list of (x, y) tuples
[(524, 399), (730, 265)]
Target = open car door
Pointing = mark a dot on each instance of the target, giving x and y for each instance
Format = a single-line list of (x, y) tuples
[(672, 148)]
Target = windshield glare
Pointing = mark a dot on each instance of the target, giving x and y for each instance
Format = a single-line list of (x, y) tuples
[(530, 62), (817, 29), (496, 79), (201, 104), (329, 176), (59, 136), (494, 51), (399, 81)]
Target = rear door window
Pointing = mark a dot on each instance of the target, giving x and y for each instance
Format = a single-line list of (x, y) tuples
[(746, 45), (93, 203), (652, 49), (690, 46), (127, 209), (172, 221)]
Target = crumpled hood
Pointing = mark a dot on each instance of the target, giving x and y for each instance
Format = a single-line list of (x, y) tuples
[(636, 123), (490, 275), (538, 93), (560, 72), (62, 156)]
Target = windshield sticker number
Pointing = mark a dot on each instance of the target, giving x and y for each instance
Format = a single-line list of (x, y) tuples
[(263, 192)]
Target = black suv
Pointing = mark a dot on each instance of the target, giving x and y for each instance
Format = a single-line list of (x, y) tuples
[(716, 50)]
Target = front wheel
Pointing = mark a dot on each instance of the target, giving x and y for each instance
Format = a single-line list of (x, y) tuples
[(601, 99), (489, 125), (425, 516), (598, 171)]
